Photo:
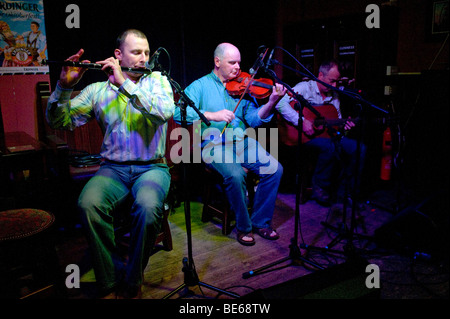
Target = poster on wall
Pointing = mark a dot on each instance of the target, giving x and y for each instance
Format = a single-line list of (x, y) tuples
[(23, 41)]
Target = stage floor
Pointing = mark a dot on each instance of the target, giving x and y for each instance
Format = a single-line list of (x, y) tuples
[(221, 262)]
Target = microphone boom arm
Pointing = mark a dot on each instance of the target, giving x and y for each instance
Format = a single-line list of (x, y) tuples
[(352, 95)]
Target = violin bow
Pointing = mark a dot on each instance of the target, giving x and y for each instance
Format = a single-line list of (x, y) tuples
[(246, 89)]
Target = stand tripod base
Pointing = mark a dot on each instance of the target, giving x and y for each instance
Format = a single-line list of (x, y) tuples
[(349, 249), (191, 279), (294, 255), (343, 233)]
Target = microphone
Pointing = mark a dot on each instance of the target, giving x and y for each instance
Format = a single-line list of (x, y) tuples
[(350, 90), (269, 60), (151, 63), (258, 61)]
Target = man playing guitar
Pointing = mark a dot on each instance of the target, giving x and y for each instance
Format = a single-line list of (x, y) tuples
[(318, 133)]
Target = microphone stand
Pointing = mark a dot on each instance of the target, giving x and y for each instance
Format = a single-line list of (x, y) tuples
[(190, 274), (294, 251), (348, 234), (343, 231)]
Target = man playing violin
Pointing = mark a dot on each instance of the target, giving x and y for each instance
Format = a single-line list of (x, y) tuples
[(211, 97), (331, 151), (132, 110)]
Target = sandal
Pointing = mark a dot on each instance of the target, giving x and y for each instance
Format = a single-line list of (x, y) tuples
[(267, 233), (242, 241)]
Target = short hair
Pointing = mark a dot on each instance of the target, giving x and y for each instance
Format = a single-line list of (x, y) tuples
[(327, 65), (121, 38)]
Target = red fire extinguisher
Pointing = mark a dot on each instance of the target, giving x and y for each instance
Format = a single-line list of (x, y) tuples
[(386, 156)]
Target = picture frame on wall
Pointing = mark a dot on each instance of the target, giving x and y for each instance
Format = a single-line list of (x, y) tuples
[(440, 17)]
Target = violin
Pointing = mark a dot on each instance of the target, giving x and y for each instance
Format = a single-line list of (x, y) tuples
[(258, 88), (245, 83)]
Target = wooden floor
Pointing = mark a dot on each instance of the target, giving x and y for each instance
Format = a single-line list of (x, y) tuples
[(220, 261)]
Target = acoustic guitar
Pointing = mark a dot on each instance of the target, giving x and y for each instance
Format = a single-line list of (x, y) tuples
[(326, 122), (325, 119)]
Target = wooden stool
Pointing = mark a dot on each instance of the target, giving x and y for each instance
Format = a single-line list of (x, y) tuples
[(164, 236), (215, 202), (28, 259)]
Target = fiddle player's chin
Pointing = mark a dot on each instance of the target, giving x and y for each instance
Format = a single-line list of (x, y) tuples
[(233, 75)]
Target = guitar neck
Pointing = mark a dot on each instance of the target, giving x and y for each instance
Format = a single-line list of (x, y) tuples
[(332, 122)]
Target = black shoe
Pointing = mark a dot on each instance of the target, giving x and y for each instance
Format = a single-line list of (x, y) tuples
[(321, 197)]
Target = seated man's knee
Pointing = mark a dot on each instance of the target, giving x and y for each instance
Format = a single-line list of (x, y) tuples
[(91, 206), (151, 210), (235, 177)]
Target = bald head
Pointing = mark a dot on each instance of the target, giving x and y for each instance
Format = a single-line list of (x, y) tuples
[(223, 48), (227, 61)]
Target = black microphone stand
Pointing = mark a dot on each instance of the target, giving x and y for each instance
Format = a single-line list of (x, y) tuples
[(295, 254), (190, 274), (344, 233)]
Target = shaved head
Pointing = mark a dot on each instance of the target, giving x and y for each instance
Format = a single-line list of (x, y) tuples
[(223, 48), (227, 61)]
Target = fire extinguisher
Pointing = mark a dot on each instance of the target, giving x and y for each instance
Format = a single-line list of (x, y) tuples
[(386, 156)]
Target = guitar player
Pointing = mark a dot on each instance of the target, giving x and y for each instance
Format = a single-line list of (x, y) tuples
[(336, 159)]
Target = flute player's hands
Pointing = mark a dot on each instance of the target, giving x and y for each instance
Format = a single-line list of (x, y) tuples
[(114, 71), (71, 75)]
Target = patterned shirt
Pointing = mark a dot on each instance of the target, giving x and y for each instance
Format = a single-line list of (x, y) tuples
[(133, 118)]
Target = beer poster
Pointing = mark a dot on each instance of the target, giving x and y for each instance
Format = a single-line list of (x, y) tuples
[(23, 41)]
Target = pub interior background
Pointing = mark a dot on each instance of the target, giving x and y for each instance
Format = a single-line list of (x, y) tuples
[(190, 30)]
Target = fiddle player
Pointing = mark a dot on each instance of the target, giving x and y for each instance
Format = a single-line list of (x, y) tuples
[(333, 153), (132, 110), (211, 97)]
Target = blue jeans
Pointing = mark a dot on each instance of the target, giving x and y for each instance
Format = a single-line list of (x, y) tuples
[(149, 186), (234, 180), (336, 156)]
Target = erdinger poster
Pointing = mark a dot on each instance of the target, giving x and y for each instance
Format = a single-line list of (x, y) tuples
[(23, 41)]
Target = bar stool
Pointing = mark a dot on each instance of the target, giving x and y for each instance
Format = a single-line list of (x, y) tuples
[(215, 202), (28, 259)]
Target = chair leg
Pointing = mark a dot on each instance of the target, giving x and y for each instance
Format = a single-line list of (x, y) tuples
[(206, 216), (226, 215), (226, 223), (223, 211), (167, 239), (251, 183)]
